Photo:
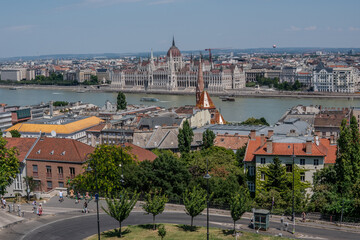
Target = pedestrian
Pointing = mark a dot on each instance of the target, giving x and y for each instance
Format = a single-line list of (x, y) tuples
[(71, 193), (61, 196), (303, 214), (2, 202), (40, 210), (85, 210)]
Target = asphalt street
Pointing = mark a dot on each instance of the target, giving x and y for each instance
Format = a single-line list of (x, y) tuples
[(78, 226)]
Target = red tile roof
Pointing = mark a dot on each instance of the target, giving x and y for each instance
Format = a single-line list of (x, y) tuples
[(324, 149), (23, 145), (96, 128), (141, 154), (60, 149), (233, 142)]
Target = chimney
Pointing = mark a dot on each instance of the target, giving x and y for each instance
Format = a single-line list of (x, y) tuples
[(252, 134), (269, 146), (262, 139), (332, 139), (270, 133), (308, 146), (318, 133)]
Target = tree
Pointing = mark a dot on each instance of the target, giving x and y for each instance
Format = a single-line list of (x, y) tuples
[(162, 231), (195, 202), (208, 138), (105, 160), (239, 205), (276, 175), (255, 121), (31, 185), (121, 101), (15, 133), (120, 205), (185, 137), (9, 165), (240, 155), (155, 204)]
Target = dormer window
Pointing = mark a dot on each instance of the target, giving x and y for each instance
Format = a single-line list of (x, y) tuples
[(52, 152), (38, 152), (63, 153)]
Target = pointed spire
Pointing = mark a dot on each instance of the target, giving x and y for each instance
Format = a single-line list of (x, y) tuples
[(173, 43), (200, 83)]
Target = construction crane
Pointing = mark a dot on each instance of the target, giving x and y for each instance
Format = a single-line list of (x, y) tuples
[(210, 55)]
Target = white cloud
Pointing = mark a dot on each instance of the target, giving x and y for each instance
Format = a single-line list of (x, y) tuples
[(354, 29), (294, 29), (310, 28), (161, 2), (19, 28)]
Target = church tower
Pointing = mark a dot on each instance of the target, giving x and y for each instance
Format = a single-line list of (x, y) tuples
[(200, 83)]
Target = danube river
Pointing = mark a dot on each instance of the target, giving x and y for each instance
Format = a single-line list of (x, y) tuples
[(244, 107)]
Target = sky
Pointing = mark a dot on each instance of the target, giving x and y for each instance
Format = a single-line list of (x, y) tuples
[(41, 27)]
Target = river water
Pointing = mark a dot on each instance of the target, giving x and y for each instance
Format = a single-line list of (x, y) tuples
[(270, 108)]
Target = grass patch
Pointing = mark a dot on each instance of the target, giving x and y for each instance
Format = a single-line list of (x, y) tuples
[(178, 232)]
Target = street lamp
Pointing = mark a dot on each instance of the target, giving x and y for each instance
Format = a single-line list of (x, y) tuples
[(207, 177), (122, 175), (293, 189), (89, 169)]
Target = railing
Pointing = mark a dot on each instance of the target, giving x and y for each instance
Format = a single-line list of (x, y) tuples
[(61, 176), (72, 175), (35, 174), (48, 175)]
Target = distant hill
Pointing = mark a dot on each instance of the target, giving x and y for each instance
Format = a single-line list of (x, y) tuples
[(297, 50)]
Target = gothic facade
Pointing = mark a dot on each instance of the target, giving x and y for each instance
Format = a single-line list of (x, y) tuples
[(173, 73)]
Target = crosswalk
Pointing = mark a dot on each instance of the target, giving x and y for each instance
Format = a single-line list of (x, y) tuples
[(7, 218)]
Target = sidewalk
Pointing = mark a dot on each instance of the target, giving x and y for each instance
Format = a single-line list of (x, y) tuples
[(7, 219)]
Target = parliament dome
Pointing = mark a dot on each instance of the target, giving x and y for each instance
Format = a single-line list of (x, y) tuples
[(175, 52)]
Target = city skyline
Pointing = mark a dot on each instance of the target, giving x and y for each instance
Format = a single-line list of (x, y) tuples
[(120, 26)]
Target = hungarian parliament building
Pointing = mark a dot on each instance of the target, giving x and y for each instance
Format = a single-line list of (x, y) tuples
[(172, 73)]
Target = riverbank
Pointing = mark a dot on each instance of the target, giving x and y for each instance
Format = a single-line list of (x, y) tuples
[(241, 93)]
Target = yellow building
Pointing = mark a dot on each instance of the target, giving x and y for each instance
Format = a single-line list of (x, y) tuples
[(60, 127)]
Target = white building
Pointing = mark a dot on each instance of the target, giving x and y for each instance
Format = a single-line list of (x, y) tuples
[(173, 73), (334, 79), (13, 74)]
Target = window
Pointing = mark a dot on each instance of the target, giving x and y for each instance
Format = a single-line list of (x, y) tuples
[(72, 172), (18, 181), (60, 172), (251, 170), (302, 161), (263, 160), (302, 177), (35, 170), (262, 175), (49, 185), (48, 171), (288, 167), (316, 162), (251, 186), (61, 184)]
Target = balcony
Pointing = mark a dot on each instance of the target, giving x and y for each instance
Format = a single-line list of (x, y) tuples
[(48, 175), (72, 176), (61, 176), (35, 174)]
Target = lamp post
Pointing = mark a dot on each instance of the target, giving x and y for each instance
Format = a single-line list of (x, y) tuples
[(293, 189), (89, 169), (207, 177)]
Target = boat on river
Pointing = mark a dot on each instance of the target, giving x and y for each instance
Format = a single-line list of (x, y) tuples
[(227, 98), (149, 99)]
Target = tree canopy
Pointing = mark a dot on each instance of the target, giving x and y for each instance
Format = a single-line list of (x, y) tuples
[(185, 137), (9, 165), (208, 138), (121, 101)]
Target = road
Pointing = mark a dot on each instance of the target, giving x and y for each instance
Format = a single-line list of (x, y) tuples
[(78, 226)]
